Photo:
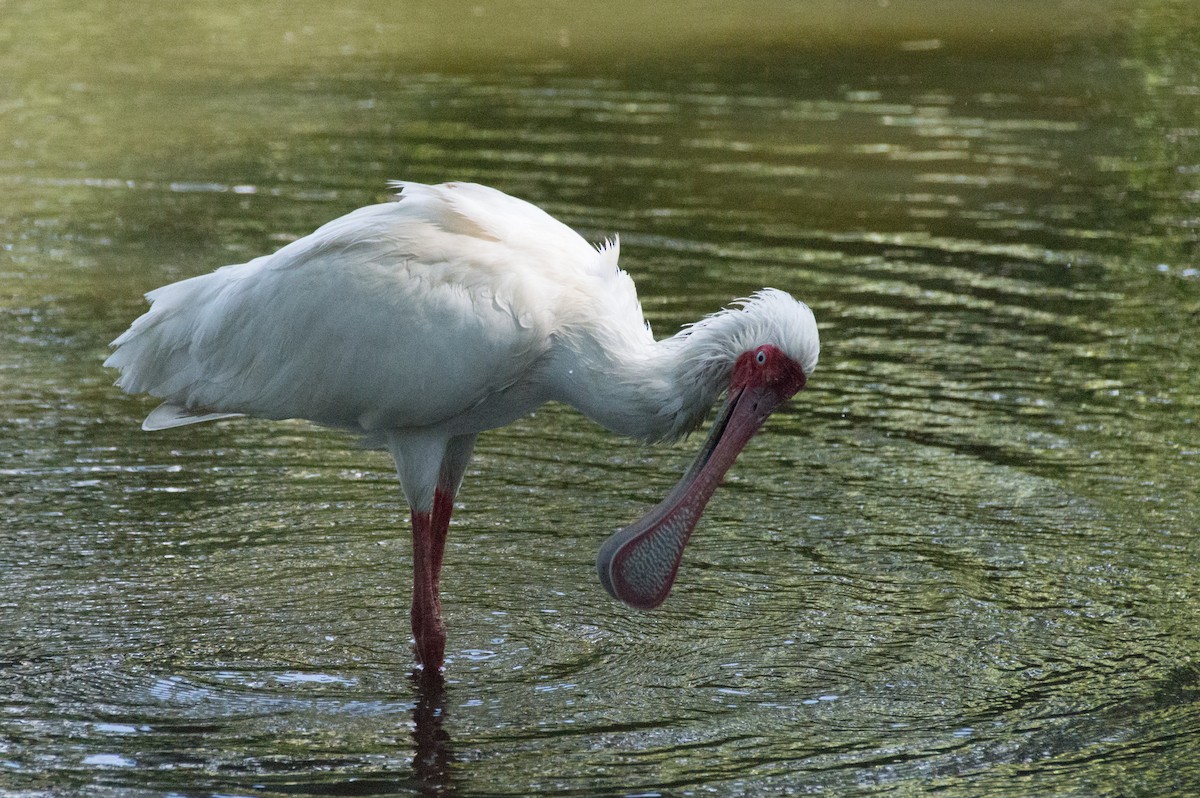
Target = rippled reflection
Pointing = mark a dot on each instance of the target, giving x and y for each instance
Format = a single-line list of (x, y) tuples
[(962, 561)]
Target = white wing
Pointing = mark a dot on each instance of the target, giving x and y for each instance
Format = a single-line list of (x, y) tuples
[(404, 314)]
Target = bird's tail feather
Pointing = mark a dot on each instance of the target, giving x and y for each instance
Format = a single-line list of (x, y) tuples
[(168, 415)]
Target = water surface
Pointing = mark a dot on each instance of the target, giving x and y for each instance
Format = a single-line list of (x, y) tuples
[(963, 561)]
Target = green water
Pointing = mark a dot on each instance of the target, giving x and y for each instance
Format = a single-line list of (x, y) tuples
[(964, 561)]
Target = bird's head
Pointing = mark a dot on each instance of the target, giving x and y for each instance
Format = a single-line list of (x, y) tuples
[(772, 343), (769, 318)]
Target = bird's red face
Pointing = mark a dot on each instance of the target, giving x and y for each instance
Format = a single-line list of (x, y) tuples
[(638, 564), (767, 373)]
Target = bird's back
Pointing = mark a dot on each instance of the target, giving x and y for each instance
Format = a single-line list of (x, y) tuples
[(399, 315)]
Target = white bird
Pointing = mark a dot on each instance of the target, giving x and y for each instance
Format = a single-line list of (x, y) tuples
[(455, 309)]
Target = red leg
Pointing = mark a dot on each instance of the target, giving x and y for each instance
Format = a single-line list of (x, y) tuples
[(443, 507), (429, 530), (454, 463), (428, 632)]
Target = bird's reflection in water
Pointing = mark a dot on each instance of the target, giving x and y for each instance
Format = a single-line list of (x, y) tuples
[(432, 755)]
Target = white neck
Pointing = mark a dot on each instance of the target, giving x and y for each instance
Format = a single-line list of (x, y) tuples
[(646, 389)]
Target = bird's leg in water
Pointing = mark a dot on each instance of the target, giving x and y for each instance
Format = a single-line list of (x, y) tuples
[(430, 529), (428, 632)]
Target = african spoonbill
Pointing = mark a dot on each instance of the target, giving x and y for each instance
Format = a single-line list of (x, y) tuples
[(455, 309)]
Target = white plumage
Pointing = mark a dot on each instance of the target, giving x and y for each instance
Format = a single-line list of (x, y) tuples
[(423, 322)]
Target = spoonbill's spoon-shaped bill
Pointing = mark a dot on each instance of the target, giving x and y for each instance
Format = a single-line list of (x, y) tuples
[(638, 564)]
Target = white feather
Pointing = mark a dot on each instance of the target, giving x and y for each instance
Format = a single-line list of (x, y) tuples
[(168, 416)]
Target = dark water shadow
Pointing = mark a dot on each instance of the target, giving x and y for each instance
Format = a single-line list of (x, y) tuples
[(432, 772), (432, 753)]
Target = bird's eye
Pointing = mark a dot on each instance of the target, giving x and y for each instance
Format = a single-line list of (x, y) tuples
[(760, 357)]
